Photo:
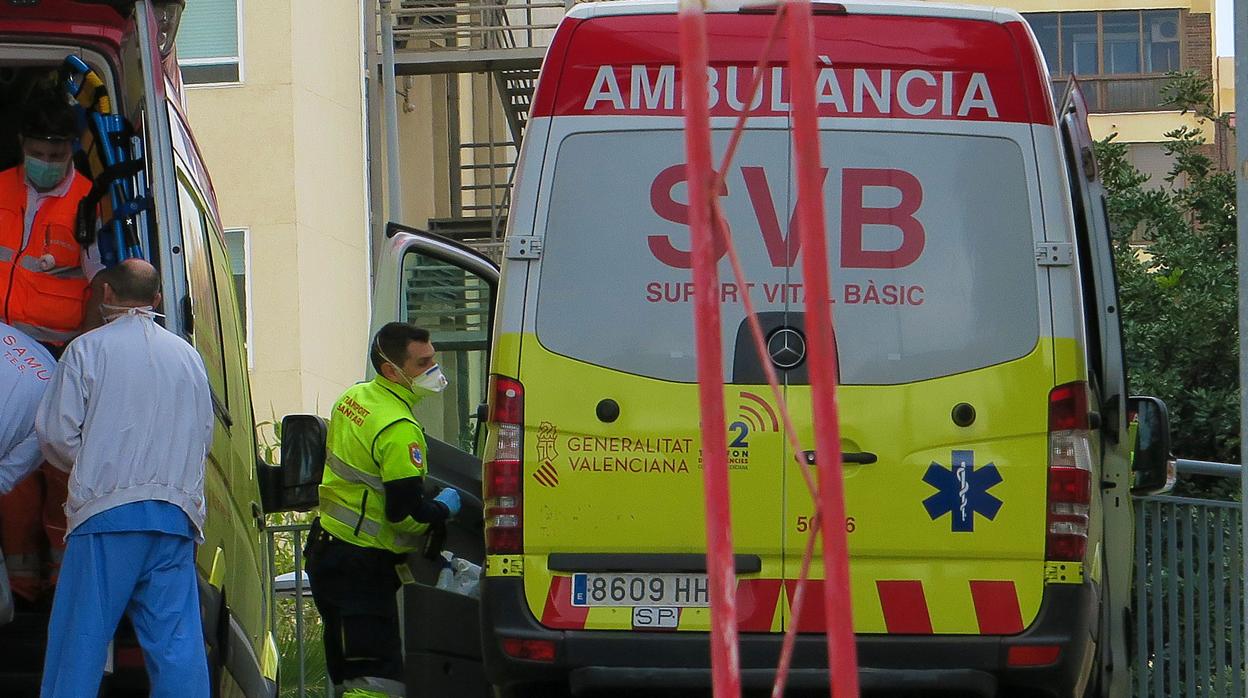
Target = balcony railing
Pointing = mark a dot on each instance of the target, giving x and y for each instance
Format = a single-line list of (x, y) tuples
[(1117, 93), (459, 25)]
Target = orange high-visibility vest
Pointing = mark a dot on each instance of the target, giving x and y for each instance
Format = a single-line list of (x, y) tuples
[(43, 290)]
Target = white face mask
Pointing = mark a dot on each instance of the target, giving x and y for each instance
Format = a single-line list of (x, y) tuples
[(431, 382), (111, 312)]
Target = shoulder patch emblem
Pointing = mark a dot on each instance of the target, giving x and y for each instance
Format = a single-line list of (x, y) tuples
[(413, 449)]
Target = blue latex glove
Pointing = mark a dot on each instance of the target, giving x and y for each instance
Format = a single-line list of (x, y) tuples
[(449, 497)]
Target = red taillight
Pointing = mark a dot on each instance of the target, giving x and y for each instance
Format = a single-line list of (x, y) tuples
[(1068, 407), (504, 469), (1070, 485), (1033, 655), (1070, 474), (532, 650), (506, 405), (1067, 539), (502, 478)]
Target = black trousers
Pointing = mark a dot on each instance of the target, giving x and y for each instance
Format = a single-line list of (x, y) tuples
[(354, 590)]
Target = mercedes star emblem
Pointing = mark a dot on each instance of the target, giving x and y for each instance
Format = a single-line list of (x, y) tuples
[(787, 348)]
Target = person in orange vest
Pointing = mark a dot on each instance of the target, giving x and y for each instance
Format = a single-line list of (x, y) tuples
[(44, 289), (45, 274)]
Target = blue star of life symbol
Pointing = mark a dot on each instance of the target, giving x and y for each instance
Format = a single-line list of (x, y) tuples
[(962, 491)]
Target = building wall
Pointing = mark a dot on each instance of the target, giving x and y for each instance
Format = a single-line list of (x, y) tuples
[(1225, 76), (331, 201), (1142, 127), (1198, 42), (286, 152), (423, 154)]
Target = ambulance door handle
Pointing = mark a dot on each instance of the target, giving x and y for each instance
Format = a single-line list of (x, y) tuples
[(851, 457)]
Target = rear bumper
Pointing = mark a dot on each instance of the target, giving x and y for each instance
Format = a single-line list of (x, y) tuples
[(963, 665)]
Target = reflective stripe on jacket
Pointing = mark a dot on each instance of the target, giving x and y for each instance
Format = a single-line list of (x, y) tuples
[(373, 439), (43, 290)]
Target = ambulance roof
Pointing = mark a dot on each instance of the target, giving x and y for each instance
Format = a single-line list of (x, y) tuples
[(588, 10)]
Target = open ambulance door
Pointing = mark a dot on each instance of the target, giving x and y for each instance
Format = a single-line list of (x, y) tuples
[(449, 289), (144, 71), (1107, 376), (1100, 287)]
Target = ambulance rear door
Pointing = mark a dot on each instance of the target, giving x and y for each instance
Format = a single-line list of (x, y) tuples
[(614, 523), (942, 326), (1107, 378), (144, 74), (449, 289)]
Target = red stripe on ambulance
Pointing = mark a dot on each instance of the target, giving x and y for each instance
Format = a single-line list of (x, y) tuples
[(756, 604), (811, 619), (559, 611), (905, 607), (996, 607), (912, 68)]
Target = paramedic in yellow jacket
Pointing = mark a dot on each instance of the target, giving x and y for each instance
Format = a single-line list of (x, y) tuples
[(373, 510)]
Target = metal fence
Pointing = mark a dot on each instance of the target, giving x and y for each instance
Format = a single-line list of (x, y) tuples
[(1189, 625), (294, 618)]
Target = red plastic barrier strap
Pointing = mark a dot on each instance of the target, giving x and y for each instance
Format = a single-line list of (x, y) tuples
[(842, 652), (725, 664)]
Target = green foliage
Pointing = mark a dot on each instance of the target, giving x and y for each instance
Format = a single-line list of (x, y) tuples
[(1175, 250), (269, 439), (1178, 290)]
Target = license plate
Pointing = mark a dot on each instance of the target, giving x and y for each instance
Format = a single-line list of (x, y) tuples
[(676, 590), (656, 617)]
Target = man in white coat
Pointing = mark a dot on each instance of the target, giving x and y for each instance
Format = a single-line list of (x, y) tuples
[(129, 416), (25, 371)]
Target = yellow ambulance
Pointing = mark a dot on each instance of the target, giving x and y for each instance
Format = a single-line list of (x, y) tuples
[(985, 419)]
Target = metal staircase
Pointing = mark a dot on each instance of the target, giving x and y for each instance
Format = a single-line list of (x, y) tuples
[(500, 44), (516, 87)]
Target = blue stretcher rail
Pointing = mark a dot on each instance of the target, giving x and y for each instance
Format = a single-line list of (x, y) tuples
[(116, 161)]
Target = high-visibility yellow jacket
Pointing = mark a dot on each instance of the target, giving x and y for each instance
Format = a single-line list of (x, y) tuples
[(373, 439)]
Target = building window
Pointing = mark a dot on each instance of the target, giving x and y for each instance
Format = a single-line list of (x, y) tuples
[(1131, 42), (1078, 33), (1120, 56), (1161, 41), (236, 242), (208, 43), (1120, 33)]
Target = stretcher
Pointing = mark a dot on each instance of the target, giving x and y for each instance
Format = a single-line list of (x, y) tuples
[(114, 156)]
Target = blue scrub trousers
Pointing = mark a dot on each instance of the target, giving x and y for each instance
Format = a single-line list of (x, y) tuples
[(150, 577)]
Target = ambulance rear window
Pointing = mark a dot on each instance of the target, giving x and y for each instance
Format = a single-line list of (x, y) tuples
[(929, 236)]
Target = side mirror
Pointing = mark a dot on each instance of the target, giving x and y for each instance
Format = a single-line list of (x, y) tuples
[(1152, 468), (293, 485)]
